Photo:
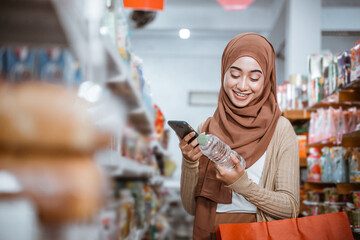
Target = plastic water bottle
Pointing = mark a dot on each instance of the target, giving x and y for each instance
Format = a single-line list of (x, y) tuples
[(217, 151)]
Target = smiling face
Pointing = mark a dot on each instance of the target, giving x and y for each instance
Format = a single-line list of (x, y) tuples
[(244, 81)]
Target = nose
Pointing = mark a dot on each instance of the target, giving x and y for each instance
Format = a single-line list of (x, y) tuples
[(242, 84)]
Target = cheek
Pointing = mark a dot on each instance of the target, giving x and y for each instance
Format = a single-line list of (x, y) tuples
[(228, 83), (258, 87)]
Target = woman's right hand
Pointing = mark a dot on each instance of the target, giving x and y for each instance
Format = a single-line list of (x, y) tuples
[(189, 150)]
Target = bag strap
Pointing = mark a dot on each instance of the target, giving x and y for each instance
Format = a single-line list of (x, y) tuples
[(293, 211), (293, 208)]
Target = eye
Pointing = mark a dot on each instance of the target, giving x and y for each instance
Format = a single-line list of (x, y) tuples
[(254, 79), (235, 74)]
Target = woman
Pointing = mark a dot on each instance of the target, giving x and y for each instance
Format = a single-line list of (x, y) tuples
[(248, 119)]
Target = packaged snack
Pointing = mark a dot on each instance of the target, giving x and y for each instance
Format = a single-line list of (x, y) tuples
[(313, 164), (355, 61), (315, 65), (20, 64), (334, 207), (326, 60), (312, 196), (333, 76), (344, 64), (302, 139), (122, 32), (320, 125), (339, 165), (312, 123), (356, 218), (52, 65), (298, 92), (321, 208), (340, 124), (312, 208), (331, 195), (326, 163), (356, 198)]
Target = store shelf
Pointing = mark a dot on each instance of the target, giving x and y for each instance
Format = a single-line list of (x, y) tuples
[(138, 115), (345, 98), (342, 188), (297, 115), (142, 120), (349, 140), (303, 162), (160, 147)]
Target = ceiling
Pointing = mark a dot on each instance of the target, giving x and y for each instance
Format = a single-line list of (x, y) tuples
[(209, 15)]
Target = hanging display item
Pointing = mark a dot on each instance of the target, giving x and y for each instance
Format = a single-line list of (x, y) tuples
[(147, 5)]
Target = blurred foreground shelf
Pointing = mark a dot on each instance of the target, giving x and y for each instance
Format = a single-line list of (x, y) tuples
[(119, 166)]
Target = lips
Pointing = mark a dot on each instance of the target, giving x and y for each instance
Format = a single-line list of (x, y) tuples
[(241, 96)]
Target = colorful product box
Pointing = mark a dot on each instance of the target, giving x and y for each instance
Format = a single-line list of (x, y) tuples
[(344, 64), (355, 61), (20, 64), (57, 66)]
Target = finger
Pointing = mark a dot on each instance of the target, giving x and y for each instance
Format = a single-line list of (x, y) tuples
[(196, 150), (198, 155), (182, 142), (236, 161), (189, 136), (194, 143)]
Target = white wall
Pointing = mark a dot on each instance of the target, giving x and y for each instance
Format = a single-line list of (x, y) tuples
[(339, 44)]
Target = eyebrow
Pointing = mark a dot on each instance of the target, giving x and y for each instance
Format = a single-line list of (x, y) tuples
[(239, 69)]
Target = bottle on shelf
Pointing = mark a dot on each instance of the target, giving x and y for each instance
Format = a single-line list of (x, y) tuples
[(217, 151)]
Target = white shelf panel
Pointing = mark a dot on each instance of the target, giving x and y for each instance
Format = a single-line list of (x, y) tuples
[(119, 166)]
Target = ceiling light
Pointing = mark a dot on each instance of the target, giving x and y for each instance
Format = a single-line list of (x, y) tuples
[(235, 5), (184, 33)]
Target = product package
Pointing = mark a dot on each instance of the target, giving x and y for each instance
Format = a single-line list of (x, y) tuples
[(20, 64), (344, 65), (56, 65), (313, 164), (354, 170), (302, 139), (122, 32), (355, 61), (339, 169), (326, 165)]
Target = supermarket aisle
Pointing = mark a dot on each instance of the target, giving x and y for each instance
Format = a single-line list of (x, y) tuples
[(85, 96)]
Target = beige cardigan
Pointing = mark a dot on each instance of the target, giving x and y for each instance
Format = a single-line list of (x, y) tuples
[(278, 192)]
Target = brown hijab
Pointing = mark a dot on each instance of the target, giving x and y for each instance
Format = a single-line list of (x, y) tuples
[(247, 130)]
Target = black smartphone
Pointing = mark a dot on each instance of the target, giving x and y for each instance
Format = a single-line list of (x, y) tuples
[(182, 128)]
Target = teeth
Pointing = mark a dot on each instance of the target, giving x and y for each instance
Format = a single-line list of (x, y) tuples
[(241, 95)]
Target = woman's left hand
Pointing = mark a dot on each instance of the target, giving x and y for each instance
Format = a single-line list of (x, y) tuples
[(229, 176)]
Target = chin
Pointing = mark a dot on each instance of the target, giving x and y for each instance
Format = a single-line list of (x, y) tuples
[(241, 104)]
